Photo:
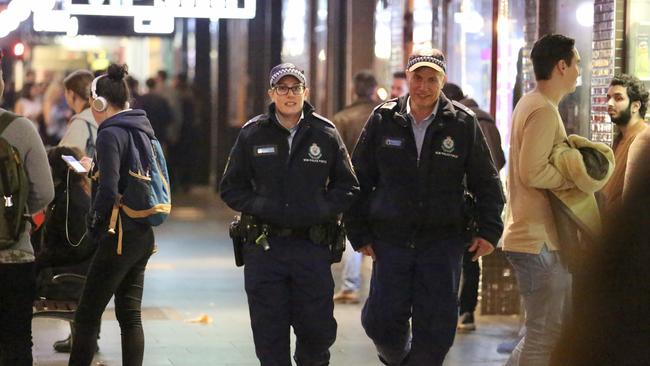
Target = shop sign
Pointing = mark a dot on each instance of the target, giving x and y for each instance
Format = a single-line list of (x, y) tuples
[(150, 16)]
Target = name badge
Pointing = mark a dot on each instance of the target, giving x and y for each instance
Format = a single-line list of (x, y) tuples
[(266, 150), (393, 142)]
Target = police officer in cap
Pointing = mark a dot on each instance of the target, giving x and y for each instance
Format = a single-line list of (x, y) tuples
[(414, 160), (290, 173)]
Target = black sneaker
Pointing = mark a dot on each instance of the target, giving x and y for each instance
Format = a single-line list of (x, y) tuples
[(466, 322)]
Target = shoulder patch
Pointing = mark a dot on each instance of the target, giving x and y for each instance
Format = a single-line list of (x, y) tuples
[(389, 104), (318, 116), (463, 108), (254, 120)]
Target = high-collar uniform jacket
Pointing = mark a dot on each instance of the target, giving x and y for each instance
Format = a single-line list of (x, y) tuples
[(411, 201), (311, 184)]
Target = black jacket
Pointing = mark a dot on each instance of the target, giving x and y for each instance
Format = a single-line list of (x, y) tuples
[(68, 209), (159, 113), (490, 131), (310, 185), (411, 203), (110, 167)]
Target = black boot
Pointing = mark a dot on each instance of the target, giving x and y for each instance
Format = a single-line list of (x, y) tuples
[(64, 345)]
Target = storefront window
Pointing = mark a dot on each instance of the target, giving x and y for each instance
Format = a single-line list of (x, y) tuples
[(422, 18), (383, 48), (470, 48), (295, 41), (318, 86), (510, 79), (638, 46), (575, 19)]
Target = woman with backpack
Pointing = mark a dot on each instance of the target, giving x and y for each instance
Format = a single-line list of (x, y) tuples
[(124, 244), (82, 128)]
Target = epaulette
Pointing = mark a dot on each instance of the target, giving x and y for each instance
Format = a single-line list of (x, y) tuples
[(464, 108), (389, 104), (254, 120), (318, 116)]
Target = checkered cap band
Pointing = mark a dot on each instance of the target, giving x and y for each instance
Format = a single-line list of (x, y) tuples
[(429, 59), (283, 70)]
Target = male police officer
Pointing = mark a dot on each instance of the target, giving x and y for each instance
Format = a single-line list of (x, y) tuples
[(411, 160), (290, 174)]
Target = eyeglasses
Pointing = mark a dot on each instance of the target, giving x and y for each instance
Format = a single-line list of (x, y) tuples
[(284, 89)]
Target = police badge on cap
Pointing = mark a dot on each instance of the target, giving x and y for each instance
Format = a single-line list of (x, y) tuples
[(285, 69)]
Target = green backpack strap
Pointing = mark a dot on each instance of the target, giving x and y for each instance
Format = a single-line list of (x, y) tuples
[(14, 215), (5, 120)]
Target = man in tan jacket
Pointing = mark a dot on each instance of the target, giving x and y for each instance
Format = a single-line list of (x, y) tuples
[(350, 121), (530, 238)]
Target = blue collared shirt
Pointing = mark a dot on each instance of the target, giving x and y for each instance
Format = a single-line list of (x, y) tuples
[(420, 129), (292, 130)]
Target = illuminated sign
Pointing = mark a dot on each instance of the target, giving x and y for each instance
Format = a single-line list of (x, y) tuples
[(150, 16)]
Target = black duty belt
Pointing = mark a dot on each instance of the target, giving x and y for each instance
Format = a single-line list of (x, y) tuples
[(288, 232)]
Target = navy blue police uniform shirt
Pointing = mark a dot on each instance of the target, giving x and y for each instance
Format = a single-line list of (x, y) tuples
[(311, 183), (409, 201)]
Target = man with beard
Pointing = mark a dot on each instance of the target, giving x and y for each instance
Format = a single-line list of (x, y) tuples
[(627, 101)]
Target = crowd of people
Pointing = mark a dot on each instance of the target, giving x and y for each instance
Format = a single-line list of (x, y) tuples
[(420, 195), (427, 202), (64, 219), (54, 104)]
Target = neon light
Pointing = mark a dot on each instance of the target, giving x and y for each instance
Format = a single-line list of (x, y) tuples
[(19, 49), (154, 18), (171, 8)]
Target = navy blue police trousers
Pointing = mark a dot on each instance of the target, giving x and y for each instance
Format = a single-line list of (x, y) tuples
[(290, 285), (420, 284)]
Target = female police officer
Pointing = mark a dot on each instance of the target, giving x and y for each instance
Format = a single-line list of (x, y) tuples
[(289, 174)]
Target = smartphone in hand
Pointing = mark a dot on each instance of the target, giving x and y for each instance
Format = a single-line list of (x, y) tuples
[(74, 164)]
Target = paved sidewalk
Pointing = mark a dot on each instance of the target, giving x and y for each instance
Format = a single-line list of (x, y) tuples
[(193, 274)]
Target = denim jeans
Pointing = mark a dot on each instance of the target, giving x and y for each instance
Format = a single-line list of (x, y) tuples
[(120, 275), (351, 268), (544, 284), (17, 292)]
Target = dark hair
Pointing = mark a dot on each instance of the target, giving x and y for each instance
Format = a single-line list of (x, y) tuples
[(60, 168), (636, 90), (26, 92), (364, 83), (399, 75), (453, 92), (548, 51), (113, 86), (132, 83), (151, 83), (79, 82), (162, 74)]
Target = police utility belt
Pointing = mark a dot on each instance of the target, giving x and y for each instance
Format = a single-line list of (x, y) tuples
[(249, 230)]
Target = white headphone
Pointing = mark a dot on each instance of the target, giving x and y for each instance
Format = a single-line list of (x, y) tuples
[(99, 103)]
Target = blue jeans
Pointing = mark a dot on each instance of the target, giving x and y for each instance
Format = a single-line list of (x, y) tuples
[(544, 283), (351, 268)]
